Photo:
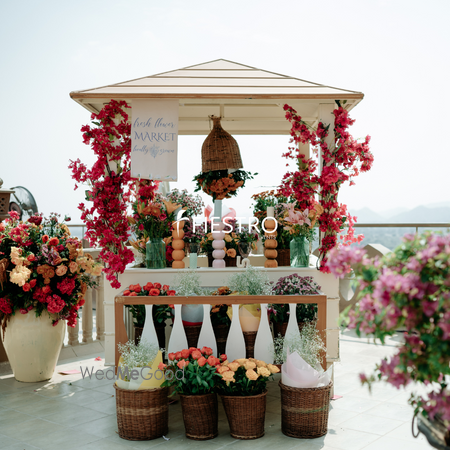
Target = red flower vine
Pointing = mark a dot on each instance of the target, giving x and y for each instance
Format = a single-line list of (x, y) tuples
[(111, 187), (341, 162)]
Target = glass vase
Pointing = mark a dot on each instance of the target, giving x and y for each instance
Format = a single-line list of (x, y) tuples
[(299, 248), (193, 257), (155, 255)]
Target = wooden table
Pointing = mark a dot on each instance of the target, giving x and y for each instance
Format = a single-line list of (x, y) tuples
[(120, 301)]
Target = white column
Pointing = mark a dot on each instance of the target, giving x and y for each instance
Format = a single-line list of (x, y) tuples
[(304, 149), (87, 322), (326, 116), (73, 334), (100, 312)]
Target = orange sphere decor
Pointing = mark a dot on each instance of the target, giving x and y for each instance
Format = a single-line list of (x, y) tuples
[(178, 245), (270, 243)]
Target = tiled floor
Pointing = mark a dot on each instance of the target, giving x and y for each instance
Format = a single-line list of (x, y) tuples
[(70, 412)]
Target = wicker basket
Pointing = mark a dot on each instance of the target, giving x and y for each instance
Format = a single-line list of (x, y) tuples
[(192, 334), (221, 333), (250, 338), (220, 150), (142, 414), (283, 257), (246, 415), (304, 412), (200, 416)]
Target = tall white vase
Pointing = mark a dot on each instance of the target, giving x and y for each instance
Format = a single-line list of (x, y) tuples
[(32, 345), (235, 347), (264, 349), (178, 340), (207, 338), (292, 331), (149, 331)]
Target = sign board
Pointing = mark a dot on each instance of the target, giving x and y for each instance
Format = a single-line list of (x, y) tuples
[(154, 139)]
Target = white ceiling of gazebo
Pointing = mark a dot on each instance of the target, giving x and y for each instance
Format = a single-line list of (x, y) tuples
[(249, 100)]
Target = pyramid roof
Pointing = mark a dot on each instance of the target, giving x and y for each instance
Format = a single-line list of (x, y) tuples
[(249, 100)]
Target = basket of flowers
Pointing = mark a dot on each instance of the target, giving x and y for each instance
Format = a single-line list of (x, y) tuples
[(220, 184), (243, 393), (193, 375), (141, 402)]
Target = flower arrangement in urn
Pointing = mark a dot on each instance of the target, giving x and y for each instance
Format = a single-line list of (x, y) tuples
[(407, 289), (43, 279), (42, 269)]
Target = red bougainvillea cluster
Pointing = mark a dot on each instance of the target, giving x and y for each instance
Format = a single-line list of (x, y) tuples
[(342, 161), (111, 187)]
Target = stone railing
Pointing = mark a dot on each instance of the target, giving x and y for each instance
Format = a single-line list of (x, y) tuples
[(94, 301)]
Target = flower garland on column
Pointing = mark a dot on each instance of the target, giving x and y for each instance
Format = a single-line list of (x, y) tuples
[(341, 162), (111, 187)]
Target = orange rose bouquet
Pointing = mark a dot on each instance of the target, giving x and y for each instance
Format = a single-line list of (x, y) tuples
[(192, 371), (220, 184), (42, 269), (244, 377)]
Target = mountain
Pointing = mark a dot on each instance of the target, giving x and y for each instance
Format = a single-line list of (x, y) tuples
[(423, 214), (366, 215), (388, 213)]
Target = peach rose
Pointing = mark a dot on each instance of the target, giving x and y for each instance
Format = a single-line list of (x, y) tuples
[(250, 365), (61, 270), (231, 252), (263, 371), (228, 376), (73, 266), (233, 366), (272, 368), (251, 375)]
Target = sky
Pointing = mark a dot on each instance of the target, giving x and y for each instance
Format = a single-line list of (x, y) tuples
[(395, 52)]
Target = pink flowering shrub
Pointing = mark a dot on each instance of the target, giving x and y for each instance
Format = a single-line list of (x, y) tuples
[(407, 289), (342, 161)]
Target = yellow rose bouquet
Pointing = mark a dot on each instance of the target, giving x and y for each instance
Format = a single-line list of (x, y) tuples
[(244, 377)]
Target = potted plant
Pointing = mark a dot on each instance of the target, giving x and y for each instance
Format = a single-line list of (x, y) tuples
[(407, 289), (293, 285), (43, 279), (220, 320), (196, 388), (160, 312), (242, 389), (141, 402)]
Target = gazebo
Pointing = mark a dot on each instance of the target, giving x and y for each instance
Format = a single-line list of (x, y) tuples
[(250, 102)]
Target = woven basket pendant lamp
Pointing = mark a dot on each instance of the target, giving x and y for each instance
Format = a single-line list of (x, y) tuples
[(220, 150)]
